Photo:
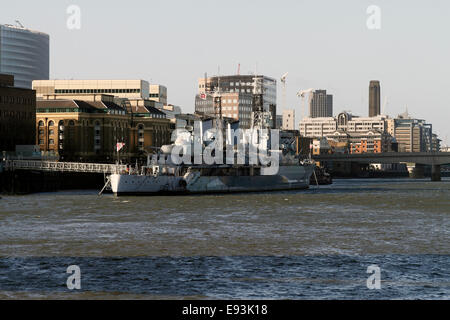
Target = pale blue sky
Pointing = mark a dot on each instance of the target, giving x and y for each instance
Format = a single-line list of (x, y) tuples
[(323, 45)]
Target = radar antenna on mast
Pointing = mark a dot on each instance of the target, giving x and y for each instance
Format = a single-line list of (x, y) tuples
[(261, 118), (283, 82)]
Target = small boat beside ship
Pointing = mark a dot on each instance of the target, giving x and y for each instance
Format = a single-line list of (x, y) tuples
[(321, 177)]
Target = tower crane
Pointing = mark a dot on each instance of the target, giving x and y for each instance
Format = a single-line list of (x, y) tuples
[(283, 82), (19, 24)]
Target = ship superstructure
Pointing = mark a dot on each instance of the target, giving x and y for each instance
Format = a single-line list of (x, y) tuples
[(219, 160)]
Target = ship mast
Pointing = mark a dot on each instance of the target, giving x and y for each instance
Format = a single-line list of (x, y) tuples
[(260, 117), (217, 101)]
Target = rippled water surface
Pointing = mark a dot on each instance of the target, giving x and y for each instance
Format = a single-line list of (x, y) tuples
[(303, 244)]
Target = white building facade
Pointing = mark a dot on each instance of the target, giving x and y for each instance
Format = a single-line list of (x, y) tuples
[(288, 119), (323, 127), (130, 89), (158, 93), (317, 127)]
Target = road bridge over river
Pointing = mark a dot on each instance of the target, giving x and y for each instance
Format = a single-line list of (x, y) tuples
[(434, 159)]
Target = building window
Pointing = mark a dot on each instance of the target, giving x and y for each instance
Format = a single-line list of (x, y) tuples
[(97, 127), (141, 136), (41, 123)]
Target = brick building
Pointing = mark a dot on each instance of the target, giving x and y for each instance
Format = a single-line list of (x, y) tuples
[(88, 127), (17, 114)]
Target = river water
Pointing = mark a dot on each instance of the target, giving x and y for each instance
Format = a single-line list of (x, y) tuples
[(314, 244)]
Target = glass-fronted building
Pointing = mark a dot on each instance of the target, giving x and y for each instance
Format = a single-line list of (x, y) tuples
[(25, 54)]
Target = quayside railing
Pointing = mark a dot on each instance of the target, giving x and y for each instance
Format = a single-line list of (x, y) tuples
[(63, 166)]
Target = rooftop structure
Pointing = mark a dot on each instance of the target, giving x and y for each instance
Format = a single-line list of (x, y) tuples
[(132, 89)]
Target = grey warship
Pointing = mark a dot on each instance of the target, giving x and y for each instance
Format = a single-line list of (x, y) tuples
[(280, 170)]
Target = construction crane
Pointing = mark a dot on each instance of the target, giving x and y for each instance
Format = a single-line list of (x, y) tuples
[(283, 82), (302, 94), (19, 24)]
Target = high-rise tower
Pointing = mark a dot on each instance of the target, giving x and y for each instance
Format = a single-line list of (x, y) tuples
[(321, 104), (374, 98)]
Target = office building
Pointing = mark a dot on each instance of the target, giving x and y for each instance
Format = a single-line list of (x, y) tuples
[(158, 93), (371, 134), (24, 54), (129, 89), (87, 126), (348, 122), (374, 98), (288, 119), (17, 114), (244, 84), (435, 143), (171, 111), (322, 127), (362, 135), (371, 141), (412, 135), (150, 129), (235, 105), (321, 104), (317, 127)]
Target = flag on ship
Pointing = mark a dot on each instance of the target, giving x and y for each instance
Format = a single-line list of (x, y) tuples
[(120, 146)]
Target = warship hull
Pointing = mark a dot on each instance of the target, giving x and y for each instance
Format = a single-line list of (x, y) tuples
[(288, 178)]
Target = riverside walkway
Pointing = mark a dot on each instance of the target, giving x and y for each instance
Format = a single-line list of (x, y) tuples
[(11, 165)]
